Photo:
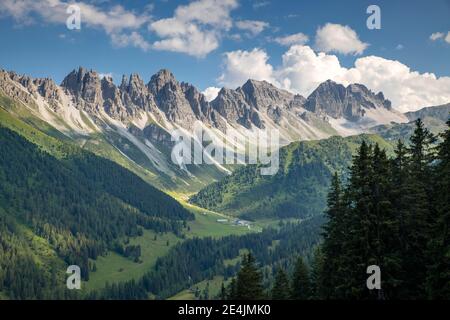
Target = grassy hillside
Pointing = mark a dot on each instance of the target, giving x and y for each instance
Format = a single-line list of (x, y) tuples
[(62, 175), (297, 190)]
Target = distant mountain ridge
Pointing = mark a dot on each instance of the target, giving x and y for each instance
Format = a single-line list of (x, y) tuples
[(441, 112)]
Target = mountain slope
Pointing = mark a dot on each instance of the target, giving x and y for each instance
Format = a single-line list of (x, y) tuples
[(297, 190), (437, 112), (60, 205), (132, 123), (434, 118)]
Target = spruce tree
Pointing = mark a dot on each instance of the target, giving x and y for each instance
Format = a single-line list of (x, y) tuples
[(301, 286), (333, 238), (223, 292), (419, 214), (384, 222), (249, 280), (438, 275), (356, 245), (232, 290), (281, 288), (318, 290)]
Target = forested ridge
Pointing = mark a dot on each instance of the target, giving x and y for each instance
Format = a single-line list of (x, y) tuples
[(393, 213), (82, 205), (297, 190)]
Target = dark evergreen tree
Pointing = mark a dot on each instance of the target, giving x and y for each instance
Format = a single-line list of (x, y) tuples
[(223, 292), (232, 290), (281, 288), (419, 214), (301, 286), (438, 278), (334, 238), (318, 290), (249, 281), (356, 244)]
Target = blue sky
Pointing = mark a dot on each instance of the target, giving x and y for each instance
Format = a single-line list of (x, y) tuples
[(121, 37)]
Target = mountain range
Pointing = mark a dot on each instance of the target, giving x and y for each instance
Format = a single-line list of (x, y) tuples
[(131, 123)]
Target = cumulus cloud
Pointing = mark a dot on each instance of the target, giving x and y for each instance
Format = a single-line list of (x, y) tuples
[(340, 39), (117, 22), (254, 27), (437, 35), (211, 93), (185, 37), (289, 40), (440, 36), (302, 70), (133, 39), (195, 28), (241, 65)]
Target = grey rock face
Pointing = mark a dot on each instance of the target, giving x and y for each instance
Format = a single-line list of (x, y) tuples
[(232, 105), (181, 103), (262, 94), (244, 104), (349, 102), (85, 87), (39, 87)]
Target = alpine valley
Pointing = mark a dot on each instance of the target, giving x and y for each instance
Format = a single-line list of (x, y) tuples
[(87, 179)]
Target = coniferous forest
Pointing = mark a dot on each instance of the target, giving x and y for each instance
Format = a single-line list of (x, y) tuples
[(392, 212)]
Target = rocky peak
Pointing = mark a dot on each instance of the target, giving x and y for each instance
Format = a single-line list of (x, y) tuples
[(162, 78), (171, 98), (262, 94), (337, 101), (84, 84), (233, 106)]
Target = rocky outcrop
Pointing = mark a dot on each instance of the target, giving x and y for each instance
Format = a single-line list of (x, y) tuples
[(247, 104), (338, 101), (25, 88)]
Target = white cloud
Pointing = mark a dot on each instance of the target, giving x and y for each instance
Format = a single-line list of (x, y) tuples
[(260, 4), (209, 12), (302, 70), (133, 39), (211, 93), (399, 47), (115, 21), (242, 65), (196, 28), (297, 38), (340, 39), (437, 35), (254, 27), (440, 36)]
